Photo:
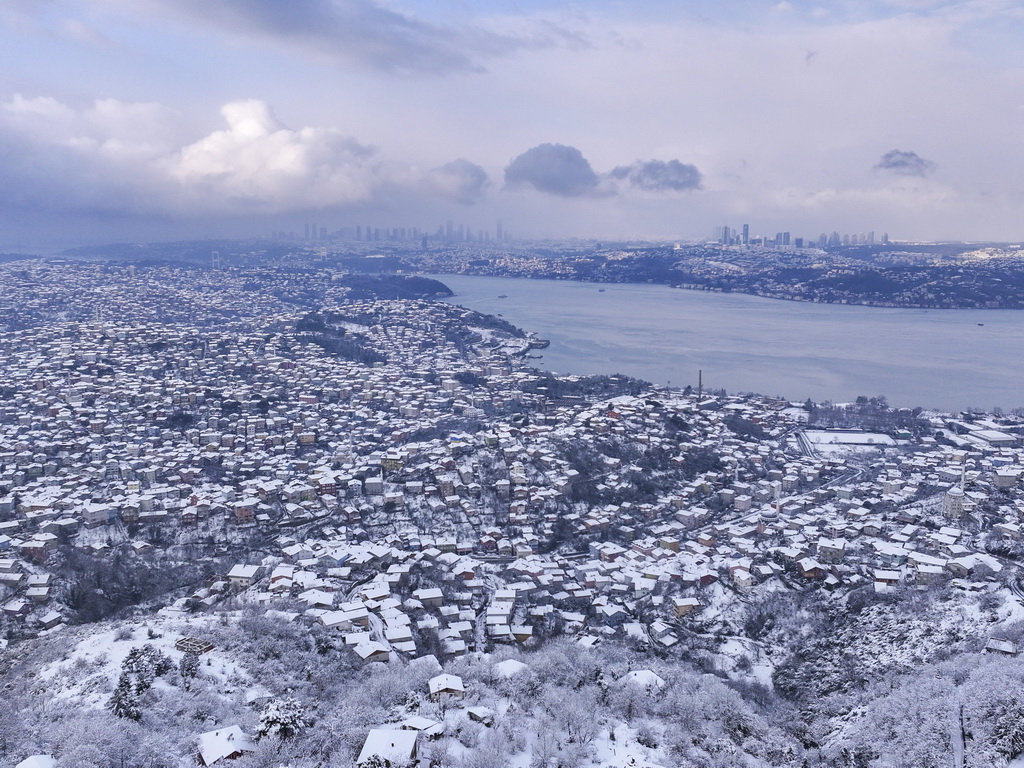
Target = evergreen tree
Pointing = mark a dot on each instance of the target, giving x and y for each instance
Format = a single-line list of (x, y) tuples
[(282, 719), (146, 664), (123, 702), (188, 668)]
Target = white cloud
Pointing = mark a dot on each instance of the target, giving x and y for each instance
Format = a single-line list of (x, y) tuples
[(129, 159), (775, 109), (459, 181), (257, 162), (137, 127)]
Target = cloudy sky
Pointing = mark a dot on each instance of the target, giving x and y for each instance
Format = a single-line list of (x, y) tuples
[(154, 119)]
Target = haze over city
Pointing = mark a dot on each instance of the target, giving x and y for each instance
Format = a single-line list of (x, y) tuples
[(152, 120)]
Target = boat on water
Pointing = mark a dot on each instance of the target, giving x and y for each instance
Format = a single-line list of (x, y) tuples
[(601, 290), (502, 295)]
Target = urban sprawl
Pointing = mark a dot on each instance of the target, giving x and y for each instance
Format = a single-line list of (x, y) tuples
[(396, 472)]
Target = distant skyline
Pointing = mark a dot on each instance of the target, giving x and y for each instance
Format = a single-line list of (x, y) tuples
[(159, 119)]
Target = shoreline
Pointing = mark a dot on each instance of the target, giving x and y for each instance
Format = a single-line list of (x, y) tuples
[(710, 289)]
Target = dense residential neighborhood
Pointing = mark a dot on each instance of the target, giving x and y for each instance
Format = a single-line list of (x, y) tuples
[(390, 480)]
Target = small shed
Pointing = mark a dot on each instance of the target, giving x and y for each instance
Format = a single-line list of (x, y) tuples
[(483, 715), (431, 728), (1002, 646)]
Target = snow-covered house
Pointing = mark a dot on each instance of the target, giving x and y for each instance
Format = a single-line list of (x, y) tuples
[(37, 761), (395, 748), (508, 668), (372, 651), (224, 744), (645, 679), (243, 575), (446, 687), (430, 597), (683, 605)]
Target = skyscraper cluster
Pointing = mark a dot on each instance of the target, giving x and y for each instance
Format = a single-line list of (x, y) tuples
[(835, 239), (448, 232), (371, 234), (784, 240), (310, 233)]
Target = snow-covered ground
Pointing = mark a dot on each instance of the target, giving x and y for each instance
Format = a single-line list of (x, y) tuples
[(86, 675)]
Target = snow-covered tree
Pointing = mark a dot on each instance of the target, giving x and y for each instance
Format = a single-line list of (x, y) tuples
[(188, 668), (282, 719), (376, 761), (124, 701), (912, 725), (146, 664)]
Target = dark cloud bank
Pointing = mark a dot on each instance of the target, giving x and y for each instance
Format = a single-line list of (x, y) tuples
[(557, 169), (368, 32), (660, 176), (904, 163)]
